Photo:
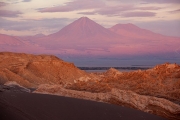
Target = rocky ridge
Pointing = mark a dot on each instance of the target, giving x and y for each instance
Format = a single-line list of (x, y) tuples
[(162, 81), (149, 104), (32, 70)]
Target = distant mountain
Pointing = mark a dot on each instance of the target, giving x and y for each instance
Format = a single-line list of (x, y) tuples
[(132, 31), (142, 41), (10, 43), (9, 40), (83, 28), (34, 37), (18, 44), (84, 37), (81, 34)]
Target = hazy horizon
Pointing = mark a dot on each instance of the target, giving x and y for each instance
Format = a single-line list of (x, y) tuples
[(118, 62)]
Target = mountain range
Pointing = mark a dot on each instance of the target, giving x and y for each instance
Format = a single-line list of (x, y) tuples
[(84, 37)]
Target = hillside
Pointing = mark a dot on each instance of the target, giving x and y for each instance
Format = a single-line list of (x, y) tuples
[(32, 70), (18, 105), (154, 90)]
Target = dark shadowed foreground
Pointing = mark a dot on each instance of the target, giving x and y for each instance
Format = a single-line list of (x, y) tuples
[(16, 104)]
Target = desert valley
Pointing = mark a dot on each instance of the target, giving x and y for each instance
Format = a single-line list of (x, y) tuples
[(155, 90), (45, 77)]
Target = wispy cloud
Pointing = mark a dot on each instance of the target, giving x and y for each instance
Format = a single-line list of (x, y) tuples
[(123, 10), (102, 8), (139, 14), (26, 1), (8, 13), (74, 5), (87, 13), (149, 8), (175, 11), (113, 10), (28, 24), (162, 1), (3, 4)]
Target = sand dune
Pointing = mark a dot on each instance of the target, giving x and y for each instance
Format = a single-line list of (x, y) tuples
[(18, 105)]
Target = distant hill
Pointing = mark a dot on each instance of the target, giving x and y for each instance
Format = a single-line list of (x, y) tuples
[(82, 34), (132, 31), (84, 37), (10, 40), (31, 37)]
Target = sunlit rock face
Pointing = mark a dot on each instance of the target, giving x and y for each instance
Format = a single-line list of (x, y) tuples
[(161, 81), (32, 70)]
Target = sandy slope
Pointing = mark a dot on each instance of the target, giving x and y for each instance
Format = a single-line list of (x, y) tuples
[(18, 105)]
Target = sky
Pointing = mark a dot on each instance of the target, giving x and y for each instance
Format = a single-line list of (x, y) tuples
[(31, 17)]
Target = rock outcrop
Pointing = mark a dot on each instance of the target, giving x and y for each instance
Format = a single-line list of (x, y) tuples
[(161, 81), (13, 84), (149, 104), (32, 70)]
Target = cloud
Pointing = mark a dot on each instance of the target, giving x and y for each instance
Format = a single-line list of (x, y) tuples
[(139, 14), (8, 13), (26, 1), (99, 7), (53, 23), (74, 5), (149, 8), (175, 11), (2, 4), (110, 10), (87, 13), (114, 9), (12, 1), (162, 1), (119, 11)]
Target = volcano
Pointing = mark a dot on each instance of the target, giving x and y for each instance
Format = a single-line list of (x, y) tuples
[(132, 31), (84, 28), (82, 33), (84, 37)]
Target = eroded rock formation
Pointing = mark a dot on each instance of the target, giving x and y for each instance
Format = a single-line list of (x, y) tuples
[(149, 104), (162, 81), (155, 90), (32, 70)]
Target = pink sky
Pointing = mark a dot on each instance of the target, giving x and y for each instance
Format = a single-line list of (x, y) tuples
[(30, 17)]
